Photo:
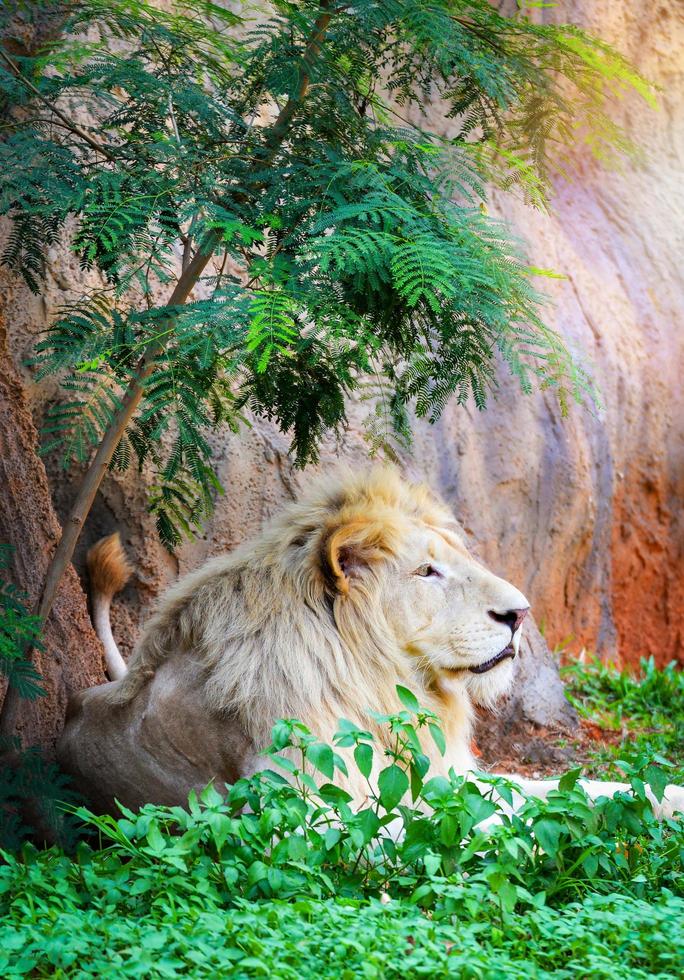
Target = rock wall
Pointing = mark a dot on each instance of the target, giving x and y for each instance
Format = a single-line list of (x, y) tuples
[(588, 511), (584, 513)]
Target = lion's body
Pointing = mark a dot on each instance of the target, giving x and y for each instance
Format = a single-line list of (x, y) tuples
[(156, 747), (275, 630), (362, 585)]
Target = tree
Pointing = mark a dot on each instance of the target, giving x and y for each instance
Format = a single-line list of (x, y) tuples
[(353, 249)]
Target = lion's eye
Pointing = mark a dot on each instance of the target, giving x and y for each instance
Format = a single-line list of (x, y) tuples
[(426, 570)]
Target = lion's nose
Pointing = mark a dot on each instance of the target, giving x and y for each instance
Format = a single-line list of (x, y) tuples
[(512, 617)]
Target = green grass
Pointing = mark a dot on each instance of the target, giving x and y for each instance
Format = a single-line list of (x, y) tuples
[(292, 886), (646, 708)]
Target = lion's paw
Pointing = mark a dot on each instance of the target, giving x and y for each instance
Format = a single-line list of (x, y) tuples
[(672, 804)]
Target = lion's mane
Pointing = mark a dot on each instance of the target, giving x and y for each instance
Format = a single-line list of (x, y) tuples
[(275, 626)]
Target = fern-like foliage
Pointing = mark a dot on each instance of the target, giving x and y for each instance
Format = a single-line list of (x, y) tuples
[(19, 632), (353, 252)]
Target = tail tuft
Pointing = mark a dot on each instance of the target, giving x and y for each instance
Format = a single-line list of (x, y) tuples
[(108, 566)]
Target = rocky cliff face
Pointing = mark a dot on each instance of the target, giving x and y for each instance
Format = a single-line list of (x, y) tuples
[(584, 513), (28, 522), (587, 512)]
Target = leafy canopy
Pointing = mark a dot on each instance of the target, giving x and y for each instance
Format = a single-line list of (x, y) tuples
[(352, 248)]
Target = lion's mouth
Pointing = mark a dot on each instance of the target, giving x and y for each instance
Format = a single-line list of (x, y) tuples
[(506, 653)]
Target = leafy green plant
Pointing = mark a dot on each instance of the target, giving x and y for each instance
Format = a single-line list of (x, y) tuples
[(280, 836), (279, 875), (646, 707), (33, 796), (616, 936), (32, 791), (19, 630)]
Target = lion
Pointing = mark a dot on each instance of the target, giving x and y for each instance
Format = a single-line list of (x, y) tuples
[(363, 584)]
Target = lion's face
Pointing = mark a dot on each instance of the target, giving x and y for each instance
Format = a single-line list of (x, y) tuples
[(398, 548), (451, 614)]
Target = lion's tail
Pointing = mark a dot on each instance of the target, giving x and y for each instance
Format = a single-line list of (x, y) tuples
[(109, 571)]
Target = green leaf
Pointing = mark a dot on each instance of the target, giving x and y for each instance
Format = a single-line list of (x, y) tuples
[(478, 807), (155, 839), (408, 699), (657, 779), (363, 756), (433, 863), (437, 736), (368, 823), (321, 756), (548, 834), (439, 787), (334, 795), (257, 872), (416, 780), (411, 735), (504, 791), (569, 779), (296, 848), (393, 783), (281, 736), (507, 894), (275, 879), (448, 829)]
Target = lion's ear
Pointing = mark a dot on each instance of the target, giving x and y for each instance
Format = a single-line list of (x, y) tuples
[(350, 549)]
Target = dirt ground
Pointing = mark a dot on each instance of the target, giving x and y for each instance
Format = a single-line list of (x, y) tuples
[(536, 752)]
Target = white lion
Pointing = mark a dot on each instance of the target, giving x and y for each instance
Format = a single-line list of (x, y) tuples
[(363, 584)]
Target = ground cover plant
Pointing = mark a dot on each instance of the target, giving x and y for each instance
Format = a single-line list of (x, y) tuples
[(637, 714), (280, 878)]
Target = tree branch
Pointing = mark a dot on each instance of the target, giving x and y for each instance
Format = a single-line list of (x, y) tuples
[(68, 123)]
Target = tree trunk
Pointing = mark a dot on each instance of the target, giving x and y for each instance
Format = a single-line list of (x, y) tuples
[(72, 656)]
